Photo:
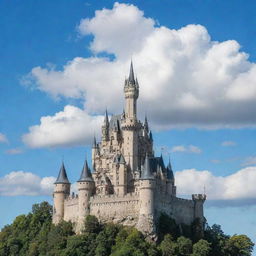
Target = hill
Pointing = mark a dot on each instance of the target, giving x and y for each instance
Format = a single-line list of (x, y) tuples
[(35, 235)]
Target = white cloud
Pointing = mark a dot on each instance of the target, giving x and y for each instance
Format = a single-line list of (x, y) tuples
[(186, 79), (240, 185), (14, 151), (186, 149), (18, 183), (114, 29), (3, 138), (72, 126), (228, 143), (251, 160)]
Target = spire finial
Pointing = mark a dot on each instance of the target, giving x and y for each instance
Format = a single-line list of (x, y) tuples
[(94, 142), (131, 75), (146, 123), (106, 121), (62, 177), (86, 173)]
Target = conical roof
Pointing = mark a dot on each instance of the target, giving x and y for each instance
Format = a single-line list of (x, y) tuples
[(170, 175), (121, 159), (86, 173), (146, 123), (131, 75), (62, 177), (94, 142), (106, 121), (146, 173), (150, 136)]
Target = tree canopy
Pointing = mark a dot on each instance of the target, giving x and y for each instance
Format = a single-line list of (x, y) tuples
[(35, 235)]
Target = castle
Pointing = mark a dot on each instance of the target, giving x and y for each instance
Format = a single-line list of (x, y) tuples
[(129, 184)]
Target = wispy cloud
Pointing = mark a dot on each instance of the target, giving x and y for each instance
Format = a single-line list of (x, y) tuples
[(3, 138), (186, 149), (228, 143), (14, 151), (251, 160)]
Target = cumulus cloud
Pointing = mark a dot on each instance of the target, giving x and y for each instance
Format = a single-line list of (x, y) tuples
[(186, 79), (72, 126), (240, 185), (3, 138), (186, 149), (14, 151), (19, 183), (228, 143)]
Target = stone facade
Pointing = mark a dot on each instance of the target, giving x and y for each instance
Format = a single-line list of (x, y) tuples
[(128, 185)]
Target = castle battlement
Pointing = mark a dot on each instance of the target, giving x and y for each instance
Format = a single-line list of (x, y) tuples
[(199, 197), (128, 183)]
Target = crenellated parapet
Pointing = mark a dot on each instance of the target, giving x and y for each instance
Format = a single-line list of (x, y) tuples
[(199, 197), (127, 184)]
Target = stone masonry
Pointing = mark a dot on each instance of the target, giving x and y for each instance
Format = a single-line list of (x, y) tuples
[(129, 184)]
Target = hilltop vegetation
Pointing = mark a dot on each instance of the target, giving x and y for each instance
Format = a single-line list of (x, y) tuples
[(34, 235)]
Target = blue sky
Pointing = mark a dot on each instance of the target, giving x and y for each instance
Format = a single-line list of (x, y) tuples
[(200, 98)]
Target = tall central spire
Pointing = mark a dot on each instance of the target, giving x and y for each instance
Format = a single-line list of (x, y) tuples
[(131, 75)]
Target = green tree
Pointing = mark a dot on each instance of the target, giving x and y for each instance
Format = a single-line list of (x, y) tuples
[(168, 246), (78, 245), (197, 230), (133, 245), (106, 239), (239, 245), (218, 240), (184, 246), (58, 236), (167, 225), (91, 225), (201, 248)]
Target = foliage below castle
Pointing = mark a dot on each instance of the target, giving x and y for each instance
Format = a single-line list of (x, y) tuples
[(129, 184), (35, 235)]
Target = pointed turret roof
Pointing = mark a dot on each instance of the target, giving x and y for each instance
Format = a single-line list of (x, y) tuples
[(170, 171), (94, 142), (86, 173), (150, 136), (106, 121), (137, 83), (146, 173), (146, 122), (62, 177), (162, 161), (121, 159), (131, 75)]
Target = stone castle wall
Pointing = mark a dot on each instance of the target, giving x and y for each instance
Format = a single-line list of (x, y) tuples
[(71, 209), (125, 210), (112, 208), (182, 210)]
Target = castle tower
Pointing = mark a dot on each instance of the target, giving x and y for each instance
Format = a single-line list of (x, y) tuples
[(122, 174), (171, 188), (146, 197), (105, 128), (61, 192), (146, 128), (94, 151), (85, 186), (199, 200), (129, 123), (131, 91)]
